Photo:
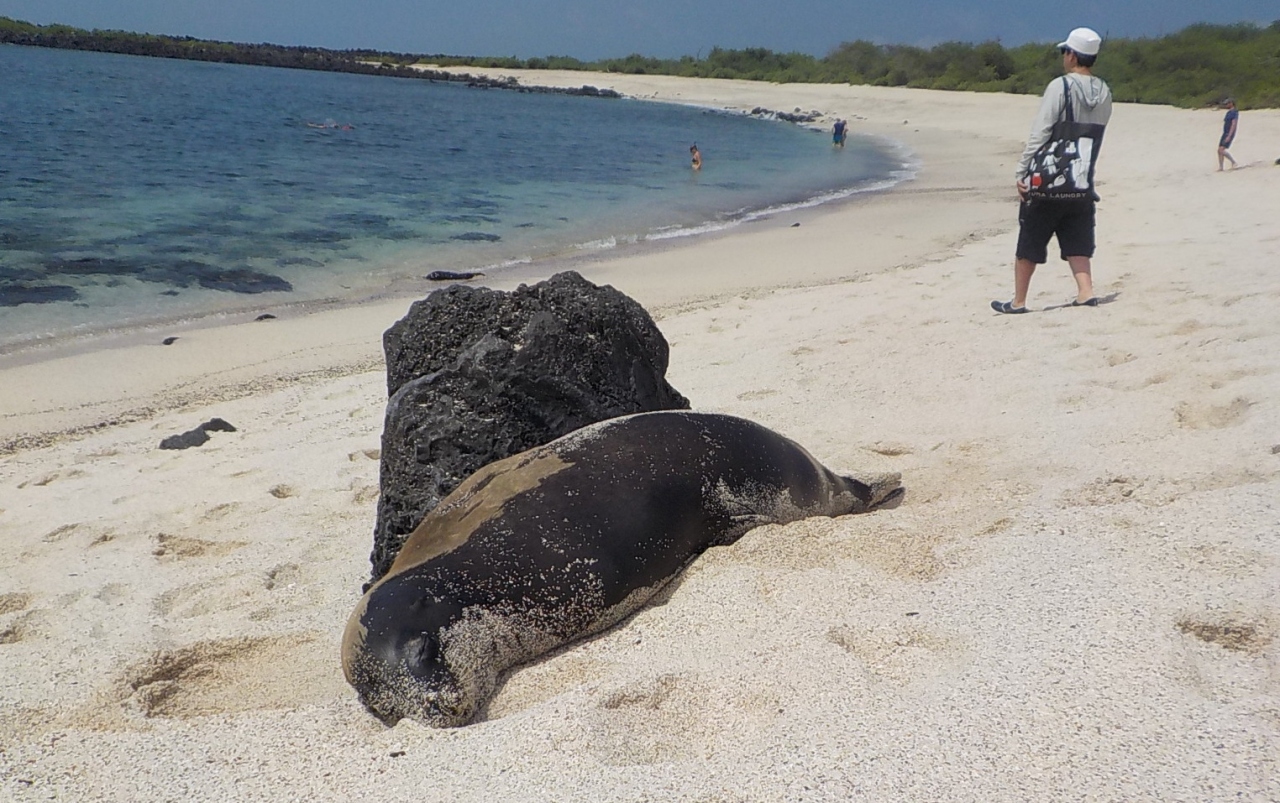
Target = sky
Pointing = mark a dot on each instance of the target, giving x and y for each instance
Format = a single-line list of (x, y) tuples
[(595, 29)]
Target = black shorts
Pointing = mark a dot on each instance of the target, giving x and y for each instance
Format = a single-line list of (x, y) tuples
[(1071, 221)]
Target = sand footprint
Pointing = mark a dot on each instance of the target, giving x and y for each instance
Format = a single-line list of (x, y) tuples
[(219, 595), (890, 449), (51, 477), (655, 720), (224, 676), (1224, 656), (282, 576), (13, 602), (1230, 633), (175, 547), (218, 511), (24, 627), (536, 683), (1208, 416), (60, 533), (751, 395), (899, 652)]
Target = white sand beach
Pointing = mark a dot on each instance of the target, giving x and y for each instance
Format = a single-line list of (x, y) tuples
[(1078, 599)]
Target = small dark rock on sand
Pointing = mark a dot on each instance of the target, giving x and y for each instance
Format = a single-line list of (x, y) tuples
[(197, 436), (169, 341), (266, 316)]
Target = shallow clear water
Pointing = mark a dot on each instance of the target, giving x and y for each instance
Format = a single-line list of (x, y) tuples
[(136, 189)]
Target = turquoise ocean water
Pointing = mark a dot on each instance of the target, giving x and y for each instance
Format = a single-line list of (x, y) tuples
[(137, 190)]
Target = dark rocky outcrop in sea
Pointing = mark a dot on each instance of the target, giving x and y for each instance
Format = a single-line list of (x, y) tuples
[(11, 295), (475, 375), (174, 272), (365, 62)]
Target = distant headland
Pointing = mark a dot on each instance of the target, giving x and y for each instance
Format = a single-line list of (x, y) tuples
[(1195, 67)]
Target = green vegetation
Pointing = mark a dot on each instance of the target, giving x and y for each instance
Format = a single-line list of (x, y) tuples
[(1195, 67)]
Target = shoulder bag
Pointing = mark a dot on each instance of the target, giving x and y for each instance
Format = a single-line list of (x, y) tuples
[(1062, 169)]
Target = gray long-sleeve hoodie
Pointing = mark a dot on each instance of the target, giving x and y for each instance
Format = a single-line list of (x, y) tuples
[(1090, 101)]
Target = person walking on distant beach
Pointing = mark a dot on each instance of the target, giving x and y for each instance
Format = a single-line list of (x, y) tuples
[(695, 156), (1084, 98), (838, 133), (1229, 125)]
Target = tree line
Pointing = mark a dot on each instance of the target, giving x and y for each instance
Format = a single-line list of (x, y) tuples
[(1195, 67)]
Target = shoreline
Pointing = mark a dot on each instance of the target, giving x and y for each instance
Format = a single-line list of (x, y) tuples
[(1075, 599), (374, 267)]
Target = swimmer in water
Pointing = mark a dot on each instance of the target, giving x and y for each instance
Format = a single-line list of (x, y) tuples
[(695, 156)]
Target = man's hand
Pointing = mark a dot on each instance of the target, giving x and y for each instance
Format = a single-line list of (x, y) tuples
[(1022, 190)]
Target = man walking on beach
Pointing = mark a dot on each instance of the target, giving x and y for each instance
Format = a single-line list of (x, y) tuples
[(1071, 220), (1229, 125)]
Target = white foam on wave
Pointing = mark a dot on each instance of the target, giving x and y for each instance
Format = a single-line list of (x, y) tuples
[(607, 243), (508, 263)]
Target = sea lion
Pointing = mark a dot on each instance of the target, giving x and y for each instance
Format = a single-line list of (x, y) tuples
[(564, 540), (451, 275)]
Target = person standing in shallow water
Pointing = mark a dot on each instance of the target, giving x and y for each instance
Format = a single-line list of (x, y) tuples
[(838, 132), (1072, 221), (695, 156), (1229, 125)]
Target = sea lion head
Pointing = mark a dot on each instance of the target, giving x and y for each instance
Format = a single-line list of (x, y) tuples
[(392, 653)]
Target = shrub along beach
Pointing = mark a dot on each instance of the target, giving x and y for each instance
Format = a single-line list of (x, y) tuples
[(1075, 600), (1194, 67)]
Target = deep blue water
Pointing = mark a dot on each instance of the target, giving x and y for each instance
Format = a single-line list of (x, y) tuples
[(136, 189)]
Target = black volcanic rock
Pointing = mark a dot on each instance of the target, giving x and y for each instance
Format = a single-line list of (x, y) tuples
[(476, 375), (198, 436)]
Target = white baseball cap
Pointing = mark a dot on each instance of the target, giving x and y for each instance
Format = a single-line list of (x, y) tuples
[(1084, 41)]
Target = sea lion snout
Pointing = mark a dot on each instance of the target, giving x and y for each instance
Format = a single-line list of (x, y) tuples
[(877, 490), (409, 678)]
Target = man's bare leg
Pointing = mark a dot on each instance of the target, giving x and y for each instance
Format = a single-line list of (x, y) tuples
[(1022, 270), (1082, 270)]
